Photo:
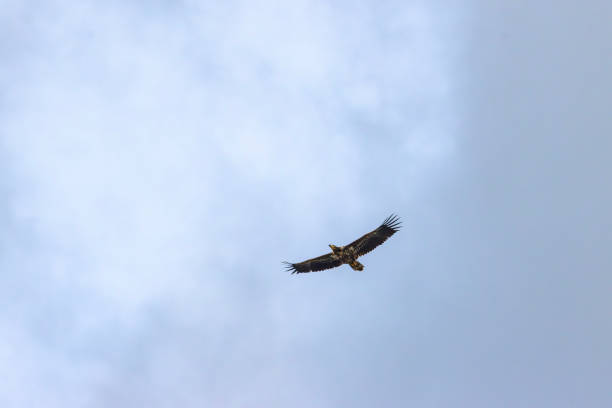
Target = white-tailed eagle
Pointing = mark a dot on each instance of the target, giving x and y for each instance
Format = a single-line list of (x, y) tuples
[(348, 254)]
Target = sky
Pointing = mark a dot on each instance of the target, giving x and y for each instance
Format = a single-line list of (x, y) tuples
[(159, 161)]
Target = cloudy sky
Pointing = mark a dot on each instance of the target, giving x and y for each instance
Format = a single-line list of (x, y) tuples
[(159, 161)]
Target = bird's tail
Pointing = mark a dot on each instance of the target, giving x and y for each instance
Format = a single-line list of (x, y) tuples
[(356, 266)]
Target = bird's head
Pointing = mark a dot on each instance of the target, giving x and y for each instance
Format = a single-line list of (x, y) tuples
[(334, 248)]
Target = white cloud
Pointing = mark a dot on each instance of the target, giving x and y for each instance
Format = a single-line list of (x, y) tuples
[(155, 153)]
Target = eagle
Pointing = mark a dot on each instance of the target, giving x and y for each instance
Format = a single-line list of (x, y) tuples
[(348, 254)]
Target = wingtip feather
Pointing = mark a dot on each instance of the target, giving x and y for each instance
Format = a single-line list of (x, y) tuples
[(290, 267), (393, 222)]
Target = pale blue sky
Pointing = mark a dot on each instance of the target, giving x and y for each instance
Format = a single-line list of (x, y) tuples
[(159, 161)]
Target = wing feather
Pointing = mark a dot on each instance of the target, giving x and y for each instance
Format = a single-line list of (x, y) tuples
[(371, 240), (319, 263)]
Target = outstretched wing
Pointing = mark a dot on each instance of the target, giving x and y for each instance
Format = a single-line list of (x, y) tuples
[(373, 239), (320, 263)]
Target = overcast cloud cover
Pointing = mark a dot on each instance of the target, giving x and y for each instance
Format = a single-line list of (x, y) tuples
[(158, 161)]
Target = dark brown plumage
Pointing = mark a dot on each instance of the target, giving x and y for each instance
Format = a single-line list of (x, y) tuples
[(348, 254)]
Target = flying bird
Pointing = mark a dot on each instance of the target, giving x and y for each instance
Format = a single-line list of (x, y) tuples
[(348, 254)]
